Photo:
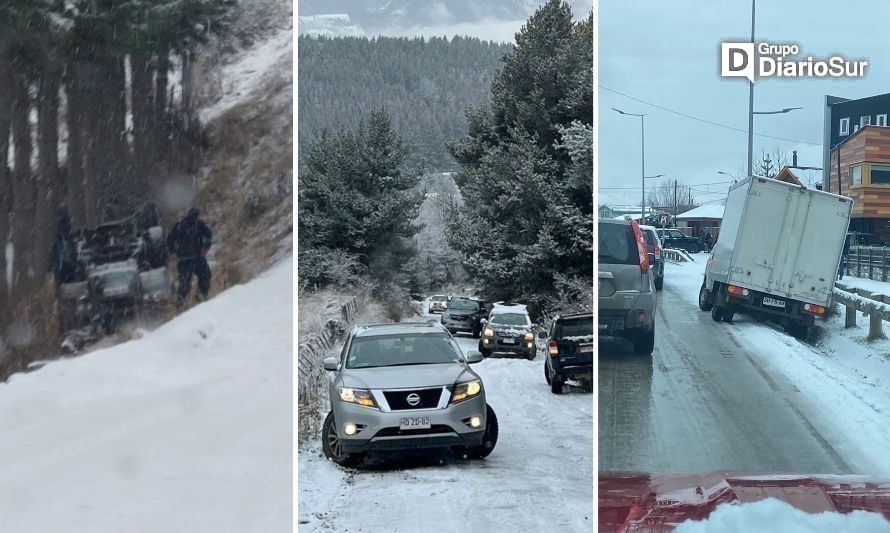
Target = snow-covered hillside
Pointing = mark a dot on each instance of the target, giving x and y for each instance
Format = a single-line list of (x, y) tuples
[(186, 429)]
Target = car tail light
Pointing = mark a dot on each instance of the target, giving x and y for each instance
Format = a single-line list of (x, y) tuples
[(735, 290), (641, 246), (814, 309), (553, 348)]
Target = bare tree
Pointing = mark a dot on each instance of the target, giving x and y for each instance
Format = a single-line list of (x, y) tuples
[(673, 195)]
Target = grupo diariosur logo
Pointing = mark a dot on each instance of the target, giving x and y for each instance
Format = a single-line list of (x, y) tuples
[(783, 60)]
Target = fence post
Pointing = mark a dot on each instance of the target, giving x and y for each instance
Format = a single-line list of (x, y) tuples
[(870, 264), (883, 263), (876, 321), (858, 261), (850, 316)]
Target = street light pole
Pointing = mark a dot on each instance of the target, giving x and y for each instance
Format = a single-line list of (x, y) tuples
[(643, 158), (751, 103), (643, 167)]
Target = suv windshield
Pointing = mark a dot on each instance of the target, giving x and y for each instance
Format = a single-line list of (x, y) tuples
[(617, 244), (574, 327), (410, 349), (463, 305), (510, 319), (439, 298)]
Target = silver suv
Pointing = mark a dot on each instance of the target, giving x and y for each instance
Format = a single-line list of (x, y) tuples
[(405, 386), (626, 285)]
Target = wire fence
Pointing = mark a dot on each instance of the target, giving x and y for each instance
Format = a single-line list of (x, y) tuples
[(310, 366), (869, 262)]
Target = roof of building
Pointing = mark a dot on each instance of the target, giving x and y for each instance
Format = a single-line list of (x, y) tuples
[(788, 176), (703, 211)]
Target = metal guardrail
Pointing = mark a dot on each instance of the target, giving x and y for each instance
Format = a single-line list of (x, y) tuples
[(875, 305), (871, 262), (677, 256)]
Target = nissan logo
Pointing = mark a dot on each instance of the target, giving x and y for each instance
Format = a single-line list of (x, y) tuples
[(413, 398)]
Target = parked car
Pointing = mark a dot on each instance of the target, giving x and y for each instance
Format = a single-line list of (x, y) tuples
[(405, 386), (438, 303), (464, 314), (653, 245), (864, 239), (675, 239), (569, 350), (627, 297), (508, 330)]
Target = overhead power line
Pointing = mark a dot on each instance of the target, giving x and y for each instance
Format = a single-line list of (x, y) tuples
[(712, 123)]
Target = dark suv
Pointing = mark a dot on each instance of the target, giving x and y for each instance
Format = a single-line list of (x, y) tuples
[(569, 351), (464, 314), (508, 330), (676, 239)]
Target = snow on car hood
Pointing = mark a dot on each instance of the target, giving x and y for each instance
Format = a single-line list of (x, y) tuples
[(407, 377)]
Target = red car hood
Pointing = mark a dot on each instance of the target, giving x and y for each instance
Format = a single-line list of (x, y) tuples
[(634, 502)]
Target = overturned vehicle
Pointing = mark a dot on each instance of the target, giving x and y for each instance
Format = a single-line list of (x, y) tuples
[(120, 275)]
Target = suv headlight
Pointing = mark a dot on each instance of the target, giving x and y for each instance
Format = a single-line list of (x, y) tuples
[(529, 336), (463, 391), (357, 396), (489, 332)]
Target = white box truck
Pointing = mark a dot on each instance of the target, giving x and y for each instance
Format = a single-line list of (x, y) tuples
[(777, 253)]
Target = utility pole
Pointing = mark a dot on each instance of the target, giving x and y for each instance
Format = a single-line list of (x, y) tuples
[(751, 103), (675, 203)]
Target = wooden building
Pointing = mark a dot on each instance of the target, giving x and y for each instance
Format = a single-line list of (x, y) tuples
[(859, 167)]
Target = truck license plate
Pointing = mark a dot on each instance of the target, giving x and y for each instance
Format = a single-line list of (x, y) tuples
[(773, 302), (422, 422), (585, 348)]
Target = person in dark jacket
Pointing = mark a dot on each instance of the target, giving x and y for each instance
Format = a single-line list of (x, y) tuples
[(843, 264), (189, 241), (63, 255), (709, 241)]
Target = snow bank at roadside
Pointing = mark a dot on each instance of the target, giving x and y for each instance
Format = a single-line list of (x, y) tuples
[(186, 429), (774, 515)]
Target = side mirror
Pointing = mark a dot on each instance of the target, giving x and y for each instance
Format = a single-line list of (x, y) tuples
[(474, 357), (331, 363), (483, 321), (542, 335)]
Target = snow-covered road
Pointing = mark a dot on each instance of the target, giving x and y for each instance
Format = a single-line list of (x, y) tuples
[(539, 477), (186, 429), (744, 397)]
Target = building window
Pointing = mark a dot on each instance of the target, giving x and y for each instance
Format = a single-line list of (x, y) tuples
[(881, 120), (856, 173), (845, 126), (880, 174), (865, 121)]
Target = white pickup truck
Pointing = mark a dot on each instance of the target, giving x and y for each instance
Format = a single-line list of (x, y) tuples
[(777, 253)]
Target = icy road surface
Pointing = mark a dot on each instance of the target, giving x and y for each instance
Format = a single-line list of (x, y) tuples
[(539, 477), (744, 398), (186, 429)]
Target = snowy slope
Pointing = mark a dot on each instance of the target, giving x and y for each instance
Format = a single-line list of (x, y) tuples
[(186, 429)]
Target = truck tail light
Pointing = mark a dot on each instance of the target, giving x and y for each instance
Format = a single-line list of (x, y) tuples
[(553, 348), (735, 290), (641, 246), (814, 309)]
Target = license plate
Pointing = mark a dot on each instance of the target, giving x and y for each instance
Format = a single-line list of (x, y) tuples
[(422, 422), (508, 341), (773, 302), (585, 349)]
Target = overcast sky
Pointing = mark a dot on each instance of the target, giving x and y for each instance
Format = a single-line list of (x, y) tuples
[(668, 53)]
